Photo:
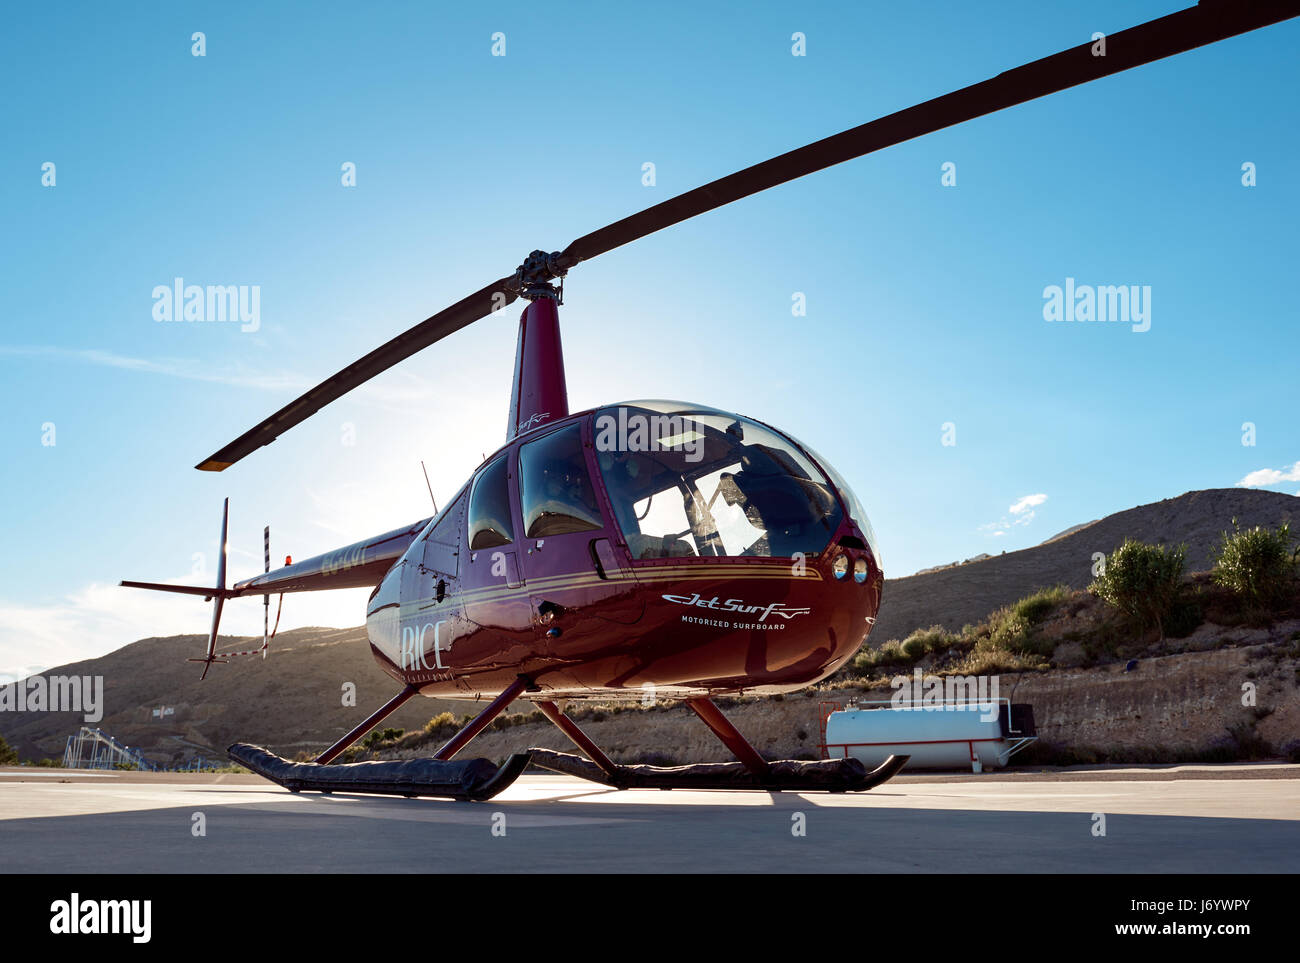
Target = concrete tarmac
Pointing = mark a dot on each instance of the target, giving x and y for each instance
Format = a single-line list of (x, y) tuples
[(1190, 819)]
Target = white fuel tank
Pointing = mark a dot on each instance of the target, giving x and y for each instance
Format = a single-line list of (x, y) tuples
[(942, 736)]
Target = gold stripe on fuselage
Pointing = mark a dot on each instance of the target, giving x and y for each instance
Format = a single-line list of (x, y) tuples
[(575, 580)]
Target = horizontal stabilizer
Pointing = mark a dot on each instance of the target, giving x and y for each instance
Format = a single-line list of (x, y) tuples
[(205, 591)]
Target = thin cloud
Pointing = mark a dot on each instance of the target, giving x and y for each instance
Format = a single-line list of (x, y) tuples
[(186, 369), (398, 387)]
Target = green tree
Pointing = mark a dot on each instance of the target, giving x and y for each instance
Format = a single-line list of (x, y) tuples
[(1257, 564), (1143, 581)]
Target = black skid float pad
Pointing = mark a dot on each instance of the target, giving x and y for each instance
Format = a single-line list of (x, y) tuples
[(454, 779), (826, 775)]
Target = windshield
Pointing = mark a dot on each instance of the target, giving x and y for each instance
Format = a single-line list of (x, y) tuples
[(856, 510), (693, 481)]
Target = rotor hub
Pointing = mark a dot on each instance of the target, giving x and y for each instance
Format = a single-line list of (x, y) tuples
[(533, 278)]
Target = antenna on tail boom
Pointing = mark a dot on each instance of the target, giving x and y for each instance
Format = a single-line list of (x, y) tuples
[(430, 487)]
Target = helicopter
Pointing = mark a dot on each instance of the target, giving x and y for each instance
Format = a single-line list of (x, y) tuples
[(648, 546)]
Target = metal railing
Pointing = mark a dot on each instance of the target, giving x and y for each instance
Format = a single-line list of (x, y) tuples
[(95, 749)]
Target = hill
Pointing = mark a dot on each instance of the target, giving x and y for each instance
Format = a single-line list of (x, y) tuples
[(961, 594), (292, 701)]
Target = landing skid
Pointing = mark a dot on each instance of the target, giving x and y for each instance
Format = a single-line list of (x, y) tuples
[(469, 779), (826, 775), (480, 779), (751, 771)]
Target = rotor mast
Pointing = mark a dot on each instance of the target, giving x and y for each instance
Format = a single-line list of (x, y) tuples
[(540, 393)]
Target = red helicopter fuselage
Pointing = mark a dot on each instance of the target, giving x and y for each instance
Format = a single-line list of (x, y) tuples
[(651, 547), (582, 613)]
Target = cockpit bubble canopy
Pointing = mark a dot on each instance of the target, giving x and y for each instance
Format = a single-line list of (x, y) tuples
[(856, 510), (688, 480)]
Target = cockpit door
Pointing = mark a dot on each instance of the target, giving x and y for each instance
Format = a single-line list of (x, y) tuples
[(578, 577), (494, 593)]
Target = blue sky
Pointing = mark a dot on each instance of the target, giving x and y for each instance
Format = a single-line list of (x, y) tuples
[(924, 302)]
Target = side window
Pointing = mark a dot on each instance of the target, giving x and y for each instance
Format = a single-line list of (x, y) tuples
[(554, 487), (442, 541), (489, 508)]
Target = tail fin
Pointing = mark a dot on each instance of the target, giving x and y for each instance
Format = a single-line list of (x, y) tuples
[(219, 593), (220, 598)]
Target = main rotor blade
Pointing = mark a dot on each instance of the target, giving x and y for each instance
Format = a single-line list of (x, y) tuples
[(1210, 21), (466, 311)]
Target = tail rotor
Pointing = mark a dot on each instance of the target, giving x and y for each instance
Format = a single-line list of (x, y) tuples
[(268, 633)]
